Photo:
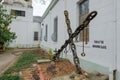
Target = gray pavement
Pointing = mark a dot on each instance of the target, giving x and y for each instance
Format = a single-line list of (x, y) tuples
[(5, 60), (8, 58)]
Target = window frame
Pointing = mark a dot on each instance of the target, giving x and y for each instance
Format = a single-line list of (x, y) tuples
[(55, 30), (46, 32), (36, 35), (20, 13)]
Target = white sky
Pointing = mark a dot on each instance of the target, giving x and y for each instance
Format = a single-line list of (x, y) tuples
[(39, 8)]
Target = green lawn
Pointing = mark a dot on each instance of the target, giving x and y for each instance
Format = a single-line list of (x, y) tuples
[(10, 77)]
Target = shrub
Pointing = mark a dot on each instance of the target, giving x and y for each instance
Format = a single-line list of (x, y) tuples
[(6, 35)]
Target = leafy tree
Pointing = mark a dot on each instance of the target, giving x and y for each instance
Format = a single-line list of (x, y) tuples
[(6, 35)]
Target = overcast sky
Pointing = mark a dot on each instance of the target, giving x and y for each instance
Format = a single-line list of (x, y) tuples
[(39, 7)]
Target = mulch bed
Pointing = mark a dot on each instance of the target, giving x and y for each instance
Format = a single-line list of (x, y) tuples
[(62, 68), (58, 69), (27, 74)]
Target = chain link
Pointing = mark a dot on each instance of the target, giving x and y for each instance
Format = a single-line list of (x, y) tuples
[(73, 35), (73, 47)]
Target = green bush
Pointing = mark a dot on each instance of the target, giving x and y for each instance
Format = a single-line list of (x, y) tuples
[(6, 35)]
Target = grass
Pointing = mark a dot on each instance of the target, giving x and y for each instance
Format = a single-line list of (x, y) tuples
[(10, 77), (25, 61)]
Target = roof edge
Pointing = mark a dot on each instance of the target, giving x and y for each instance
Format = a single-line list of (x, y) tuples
[(51, 5)]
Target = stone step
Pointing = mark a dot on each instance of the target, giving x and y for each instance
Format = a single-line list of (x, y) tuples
[(43, 60)]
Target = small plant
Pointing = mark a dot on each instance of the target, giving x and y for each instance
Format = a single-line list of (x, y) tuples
[(51, 54)]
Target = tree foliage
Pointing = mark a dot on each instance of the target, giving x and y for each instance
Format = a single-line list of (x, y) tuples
[(5, 34)]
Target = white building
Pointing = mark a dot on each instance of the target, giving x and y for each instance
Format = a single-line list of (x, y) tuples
[(102, 46), (27, 31)]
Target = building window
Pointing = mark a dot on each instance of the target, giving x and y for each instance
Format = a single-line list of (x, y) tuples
[(55, 29), (46, 32), (17, 13), (83, 12), (35, 36)]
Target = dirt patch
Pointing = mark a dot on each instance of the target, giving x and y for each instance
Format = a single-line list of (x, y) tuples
[(49, 70), (27, 74), (58, 69)]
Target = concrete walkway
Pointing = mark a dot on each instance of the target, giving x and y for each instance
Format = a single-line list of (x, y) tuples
[(8, 58), (5, 60)]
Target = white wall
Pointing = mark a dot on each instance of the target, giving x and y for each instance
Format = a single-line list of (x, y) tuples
[(102, 28), (25, 34), (118, 38), (56, 11), (24, 27)]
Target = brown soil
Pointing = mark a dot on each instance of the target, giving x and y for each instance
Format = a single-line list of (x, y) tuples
[(61, 68), (27, 74), (58, 69)]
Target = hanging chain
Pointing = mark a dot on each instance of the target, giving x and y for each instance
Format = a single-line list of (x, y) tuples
[(83, 52), (73, 35)]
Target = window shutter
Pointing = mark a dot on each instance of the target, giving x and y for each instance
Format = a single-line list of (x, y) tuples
[(86, 30), (55, 33), (55, 28), (84, 9), (46, 33), (41, 34)]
